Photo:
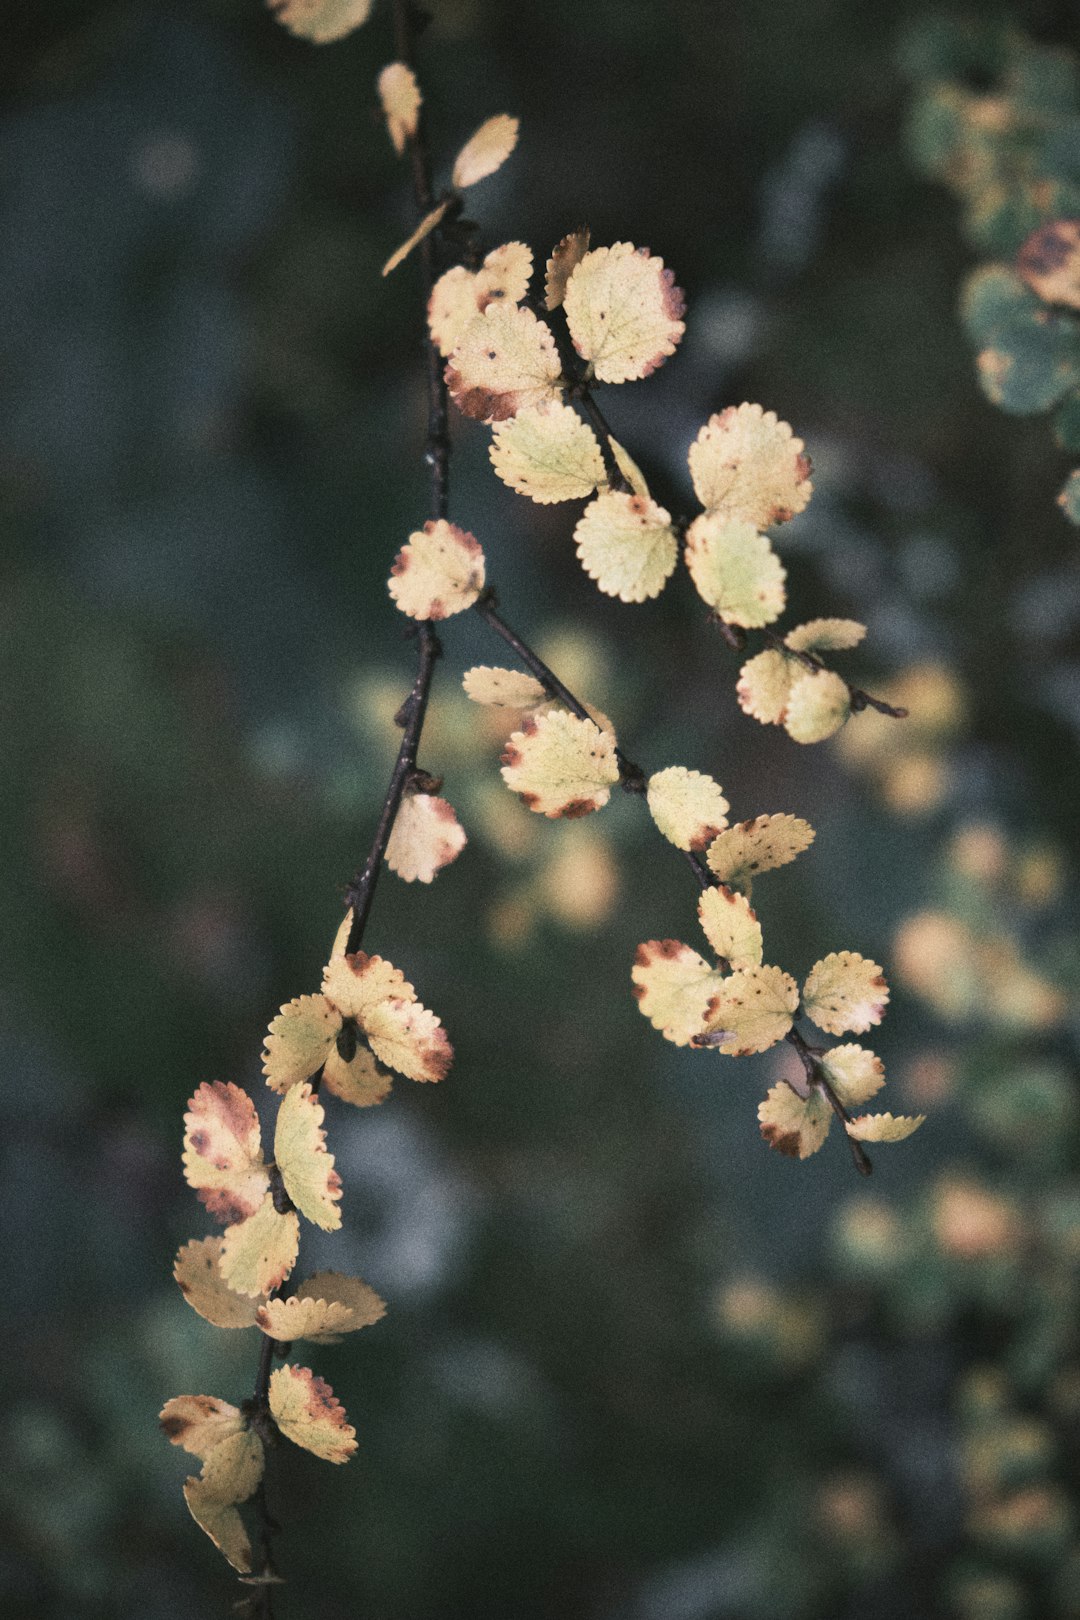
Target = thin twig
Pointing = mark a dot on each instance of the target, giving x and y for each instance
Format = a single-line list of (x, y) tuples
[(810, 1057), (858, 698)]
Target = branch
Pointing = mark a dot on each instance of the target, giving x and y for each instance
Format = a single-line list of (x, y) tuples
[(810, 1056)]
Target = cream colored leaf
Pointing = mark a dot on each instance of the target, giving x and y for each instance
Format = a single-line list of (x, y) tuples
[(341, 937), (565, 258), (845, 991), (884, 1127), (505, 361), (627, 545), (221, 1522), (234, 1467), (795, 1126), (360, 1081), (299, 1041), (854, 1072), (760, 845), (548, 453), (485, 151), (755, 1006), (410, 1039), (222, 1153), (307, 1413), (427, 836), (197, 1270), (825, 635), (735, 570), (731, 928), (307, 1169), (688, 807), (401, 102), (258, 1254), (624, 311), (321, 21), (749, 466), (763, 687), (560, 765), (675, 988), (322, 1309), (460, 295), (439, 572), (629, 468), (818, 704), (356, 984), (429, 223), (337, 1288), (200, 1422), (503, 688)]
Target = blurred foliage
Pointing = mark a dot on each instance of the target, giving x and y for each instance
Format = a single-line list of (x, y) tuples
[(617, 1378)]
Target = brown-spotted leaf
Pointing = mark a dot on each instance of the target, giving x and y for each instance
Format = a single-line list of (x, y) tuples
[(561, 765), (749, 466), (427, 836), (307, 1169), (626, 543), (505, 362), (565, 258), (460, 295), (794, 1126), (200, 1422), (735, 570), (439, 572), (222, 1152), (624, 311), (306, 1411), (759, 845), (754, 1008), (197, 1270), (299, 1041), (731, 928), (324, 1307), (401, 1033), (503, 688), (763, 686), (258, 1254), (688, 806), (845, 991), (675, 988)]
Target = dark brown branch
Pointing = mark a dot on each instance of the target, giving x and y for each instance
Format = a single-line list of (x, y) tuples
[(859, 699), (810, 1057)]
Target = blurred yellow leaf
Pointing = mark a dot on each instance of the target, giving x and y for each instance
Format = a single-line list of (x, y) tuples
[(854, 1072), (401, 103), (763, 687), (321, 21), (818, 704), (200, 1422), (429, 222), (825, 635), (486, 150), (503, 688), (565, 258), (883, 1127)]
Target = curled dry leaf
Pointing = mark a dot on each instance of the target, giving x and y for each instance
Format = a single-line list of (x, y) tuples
[(1049, 262), (222, 1152), (439, 572), (818, 704), (624, 311), (755, 1006), (197, 1270), (505, 361), (503, 688), (307, 1169), (731, 928), (560, 765), (200, 1422), (884, 1127), (825, 635), (675, 988), (688, 807), (485, 151), (401, 1033), (795, 1126), (258, 1254), (845, 991), (307, 1413), (460, 295), (627, 545), (548, 453), (321, 21), (854, 1072), (401, 102), (427, 836), (735, 570), (565, 258), (763, 687), (325, 1306), (749, 466), (760, 845), (429, 222)]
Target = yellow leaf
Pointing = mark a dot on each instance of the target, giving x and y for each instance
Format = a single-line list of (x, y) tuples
[(401, 102), (548, 453), (749, 847), (307, 1169), (402, 1034), (439, 572), (429, 222), (763, 687), (360, 1081), (688, 807), (884, 1127), (357, 984), (221, 1522), (565, 258), (627, 545), (624, 311), (200, 1422), (747, 465), (460, 295), (795, 1126), (854, 1072), (629, 468), (299, 1041), (197, 1270), (735, 570), (485, 151), (307, 1413), (321, 21), (505, 361), (234, 1467), (222, 1154), (503, 688), (258, 1254), (825, 635), (845, 991), (427, 836), (323, 1308), (675, 988), (731, 928), (1049, 262), (818, 704), (560, 765), (755, 1006)]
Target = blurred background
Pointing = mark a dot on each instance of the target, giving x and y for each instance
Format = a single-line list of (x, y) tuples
[(635, 1366)]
